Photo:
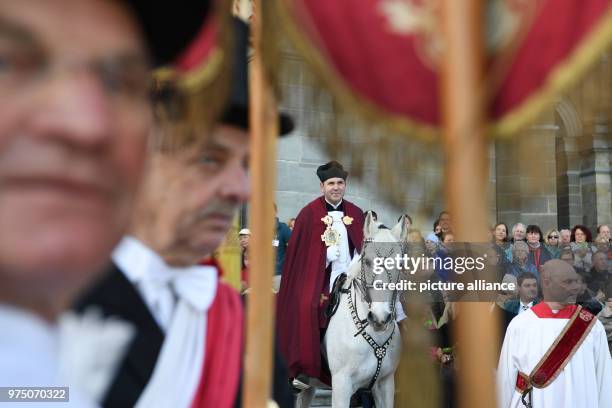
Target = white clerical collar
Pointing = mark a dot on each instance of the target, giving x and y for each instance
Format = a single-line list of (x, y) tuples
[(334, 206), (140, 263), (135, 259)]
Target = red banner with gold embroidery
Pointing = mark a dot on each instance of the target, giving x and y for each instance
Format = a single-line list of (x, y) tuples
[(381, 57)]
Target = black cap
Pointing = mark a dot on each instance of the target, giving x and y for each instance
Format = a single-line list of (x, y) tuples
[(331, 170), (168, 26), (237, 113)]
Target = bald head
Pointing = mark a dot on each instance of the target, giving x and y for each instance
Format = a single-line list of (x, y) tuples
[(559, 282)]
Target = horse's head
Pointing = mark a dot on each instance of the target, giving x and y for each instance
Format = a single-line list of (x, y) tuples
[(380, 244)]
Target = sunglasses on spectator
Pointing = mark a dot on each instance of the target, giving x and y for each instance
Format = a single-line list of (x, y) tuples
[(553, 237)]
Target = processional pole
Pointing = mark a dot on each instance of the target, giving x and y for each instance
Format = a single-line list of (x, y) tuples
[(260, 308), (465, 147)]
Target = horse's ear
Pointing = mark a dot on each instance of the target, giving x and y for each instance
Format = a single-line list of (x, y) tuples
[(400, 230), (369, 226)]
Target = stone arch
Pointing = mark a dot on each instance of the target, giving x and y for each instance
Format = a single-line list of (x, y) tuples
[(567, 158), (570, 119)]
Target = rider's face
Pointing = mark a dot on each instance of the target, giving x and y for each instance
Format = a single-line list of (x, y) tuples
[(333, 189)]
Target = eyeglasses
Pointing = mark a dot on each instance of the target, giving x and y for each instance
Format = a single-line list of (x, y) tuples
[(553, 237)]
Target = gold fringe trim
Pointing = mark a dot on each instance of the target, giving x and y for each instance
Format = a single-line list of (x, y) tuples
[(192, 103), (196, 78), (346, 97), (563, 77), (403, 171)]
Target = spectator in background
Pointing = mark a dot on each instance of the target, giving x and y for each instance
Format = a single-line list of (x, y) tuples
[(281, 239), (444, 220), (507, 295), (552, 242), (586, 297), (605, 317), (414, 236), (500, 238), (602, 244), (244, 271), (565, 237), (244, 235), (500, 234), (599, 276), (518, 232), (431, 244), (604, 231), (520, 264), (444, 252), (528, 294), (408, 221), (580, 242), (495, 263), (447, 237), (538, 254), (291, 223), (566, 254), (437, 229)]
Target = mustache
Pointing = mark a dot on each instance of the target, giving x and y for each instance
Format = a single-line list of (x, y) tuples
[(217, 207)]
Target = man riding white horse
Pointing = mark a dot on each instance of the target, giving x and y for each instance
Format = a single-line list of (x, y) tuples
[(328, 233), (362, 343)]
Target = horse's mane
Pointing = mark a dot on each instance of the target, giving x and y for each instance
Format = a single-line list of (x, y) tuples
[(353, 271)]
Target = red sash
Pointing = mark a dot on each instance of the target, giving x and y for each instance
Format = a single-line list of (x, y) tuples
[(560, 352), (223, 358)]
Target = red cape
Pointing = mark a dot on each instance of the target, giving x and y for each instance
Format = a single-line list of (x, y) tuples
[(218, 385), (303, 282)]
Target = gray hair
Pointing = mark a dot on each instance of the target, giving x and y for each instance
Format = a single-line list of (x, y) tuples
[(516, 225)]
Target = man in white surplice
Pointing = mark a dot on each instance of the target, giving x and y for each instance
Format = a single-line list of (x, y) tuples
[(586, 380)]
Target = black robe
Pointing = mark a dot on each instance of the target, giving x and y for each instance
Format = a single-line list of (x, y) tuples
[(115, 295)]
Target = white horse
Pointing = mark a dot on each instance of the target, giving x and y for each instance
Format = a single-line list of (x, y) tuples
[(362, 342)]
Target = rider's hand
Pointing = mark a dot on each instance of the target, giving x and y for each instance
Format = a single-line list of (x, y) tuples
[(333, 253)]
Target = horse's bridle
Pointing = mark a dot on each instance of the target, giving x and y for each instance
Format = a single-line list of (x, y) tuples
[(360, 283)]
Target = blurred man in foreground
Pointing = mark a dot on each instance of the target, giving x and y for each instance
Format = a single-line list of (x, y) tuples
[(187, 351), (74, 117)]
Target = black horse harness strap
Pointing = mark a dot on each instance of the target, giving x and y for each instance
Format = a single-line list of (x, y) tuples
[(380, 351), (334, 296)]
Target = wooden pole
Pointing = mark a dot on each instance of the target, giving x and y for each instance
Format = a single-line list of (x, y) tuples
[(465, 147), (260, 311)]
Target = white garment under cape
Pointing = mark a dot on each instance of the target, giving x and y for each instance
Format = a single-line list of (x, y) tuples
[(180, 363), (586, 380), (341, 263)]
